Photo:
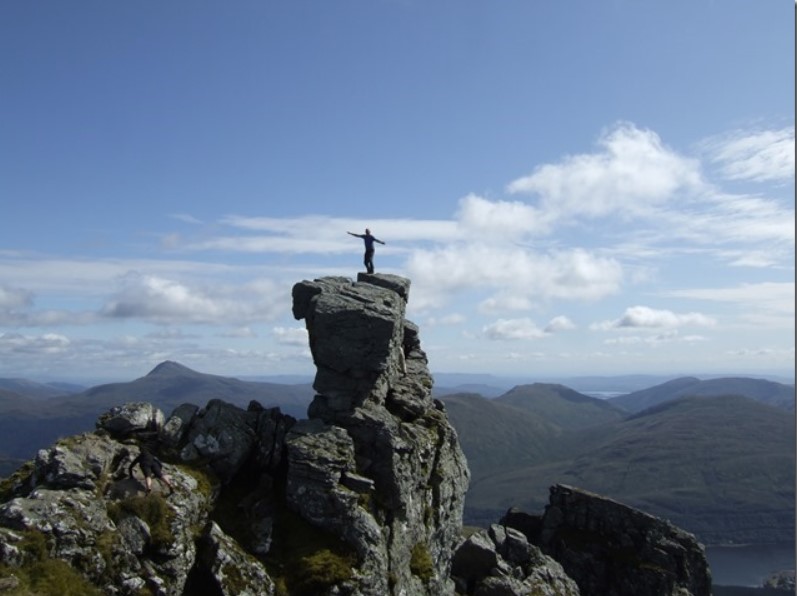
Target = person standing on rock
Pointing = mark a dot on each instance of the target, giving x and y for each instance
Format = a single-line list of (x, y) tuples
[(368, 259), (151, 467)]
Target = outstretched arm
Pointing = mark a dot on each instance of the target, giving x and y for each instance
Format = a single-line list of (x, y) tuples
[(353, 234)]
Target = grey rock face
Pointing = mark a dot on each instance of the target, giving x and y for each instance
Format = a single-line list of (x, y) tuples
[(233, 572), (139, 417), (616, 550), (67, 500), (501, 562), (378, 465)]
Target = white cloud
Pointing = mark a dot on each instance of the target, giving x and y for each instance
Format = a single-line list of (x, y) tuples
[(632, 172), (774, 299), (763, 155), (654, 340), (563, 274), (513, 329), (504, 220), (16, 310), (324, 235), (645, 317), (243, 332), (168, 301), (560, 323), (449, 319), (726, 218), (14, 298), (186, 218), (294, 336), (47, 343), (503, 302)]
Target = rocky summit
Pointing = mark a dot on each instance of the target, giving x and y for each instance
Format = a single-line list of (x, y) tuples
[(363, 497)]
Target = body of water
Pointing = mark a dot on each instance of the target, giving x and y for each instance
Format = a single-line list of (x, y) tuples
[(748, 565)]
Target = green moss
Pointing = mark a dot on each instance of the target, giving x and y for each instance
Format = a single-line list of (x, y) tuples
[(305, 560), (233, 579), (55, 577), (364, 501), (152, 509), (205, 480), (105, 546), (9, 486), (42, 575), (421, 564), (321, 570), (34, 545)]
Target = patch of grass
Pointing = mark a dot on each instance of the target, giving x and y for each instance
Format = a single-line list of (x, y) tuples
[(44, 576), (205, 480), (421, 564), (320, 570), (152, 509), (306, 560), (9, 486)]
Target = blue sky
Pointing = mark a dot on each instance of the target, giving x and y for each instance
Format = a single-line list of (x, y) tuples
[(572, 187)]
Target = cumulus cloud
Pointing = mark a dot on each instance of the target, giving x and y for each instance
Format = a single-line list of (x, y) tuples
[(503, 301), (47, 343), (645, 317), (632, 171), (16, 310), (294, 336), (449, 319), (762, 155), (562, 274), (168, 301), (513, 329), (481, 218), (14, 298), (560, 323), (128, 357), (524, 328)]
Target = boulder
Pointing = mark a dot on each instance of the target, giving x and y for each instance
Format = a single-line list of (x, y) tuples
[(612, 549)]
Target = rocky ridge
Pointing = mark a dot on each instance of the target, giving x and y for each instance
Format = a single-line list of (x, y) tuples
[(364, 497)]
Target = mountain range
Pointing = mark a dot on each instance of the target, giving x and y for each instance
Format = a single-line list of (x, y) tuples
[(716, 456), (32, 420), (720, 466)]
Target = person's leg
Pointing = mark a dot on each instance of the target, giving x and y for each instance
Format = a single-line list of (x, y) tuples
[(167, 481), (148, 482)]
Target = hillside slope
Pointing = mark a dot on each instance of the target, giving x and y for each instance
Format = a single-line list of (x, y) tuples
[(27, 425), (721, 467), (562, 406), (767, 392), (497, 436)]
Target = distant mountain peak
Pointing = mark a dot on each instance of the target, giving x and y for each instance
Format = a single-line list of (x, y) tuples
[(171, 368)]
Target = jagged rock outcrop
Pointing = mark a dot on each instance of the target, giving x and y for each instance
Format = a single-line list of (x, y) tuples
[(611, 549), (500, 561), (362, 498), (378, 465), (782, 580)]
